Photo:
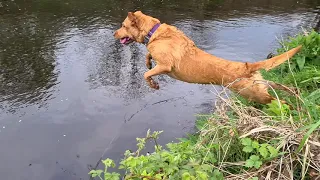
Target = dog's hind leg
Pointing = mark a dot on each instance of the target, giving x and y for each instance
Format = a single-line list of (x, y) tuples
[(290, 90), (158, 69), (148, 61), (254, 91), (260, 96)]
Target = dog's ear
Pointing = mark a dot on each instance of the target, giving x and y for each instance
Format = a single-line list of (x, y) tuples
[(138, 12), (131, 16), (134, 18)]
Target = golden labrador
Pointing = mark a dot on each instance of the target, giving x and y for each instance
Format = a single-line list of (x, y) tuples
[(177, 56)]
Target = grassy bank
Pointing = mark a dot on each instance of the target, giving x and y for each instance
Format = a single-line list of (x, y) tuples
[(243, 140)]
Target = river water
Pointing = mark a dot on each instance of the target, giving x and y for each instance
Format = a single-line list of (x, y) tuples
[(68, 89)]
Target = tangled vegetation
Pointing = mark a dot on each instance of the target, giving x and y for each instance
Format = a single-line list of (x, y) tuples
[(243, 140)]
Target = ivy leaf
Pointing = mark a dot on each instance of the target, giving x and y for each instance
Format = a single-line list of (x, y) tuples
[(264, 152)]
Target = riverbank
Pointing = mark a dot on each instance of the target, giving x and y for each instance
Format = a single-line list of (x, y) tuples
[(244, 140)]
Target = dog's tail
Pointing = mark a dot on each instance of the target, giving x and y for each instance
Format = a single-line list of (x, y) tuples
[(273, 62)]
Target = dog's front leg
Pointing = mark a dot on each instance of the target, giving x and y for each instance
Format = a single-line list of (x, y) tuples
[(148, 61), (158, 69)]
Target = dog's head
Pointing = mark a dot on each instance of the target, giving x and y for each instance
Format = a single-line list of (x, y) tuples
[(135, 27)]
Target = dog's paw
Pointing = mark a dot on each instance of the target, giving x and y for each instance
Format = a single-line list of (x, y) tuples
[(154, 85)]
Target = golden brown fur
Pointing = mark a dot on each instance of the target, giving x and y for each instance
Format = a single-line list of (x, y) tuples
[(177, 56)]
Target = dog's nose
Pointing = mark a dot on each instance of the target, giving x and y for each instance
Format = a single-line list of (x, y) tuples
[(115, 33)]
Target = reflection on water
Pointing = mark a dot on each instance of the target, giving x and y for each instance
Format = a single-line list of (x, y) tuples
[(33, 32), (27, 63), (66, 85)]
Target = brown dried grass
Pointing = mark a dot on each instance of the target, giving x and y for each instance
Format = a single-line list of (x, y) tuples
[(254, 123)]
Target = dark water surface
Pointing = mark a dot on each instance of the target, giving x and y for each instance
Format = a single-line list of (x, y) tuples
[(66, 86)]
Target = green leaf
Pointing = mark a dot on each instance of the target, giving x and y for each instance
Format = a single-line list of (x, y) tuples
[(273, 151), (200, 124), (301, 61), (92, 172), (257, 164), (211, 158), (186, 176), (263, 152), (304, 128), (313, 96), (183, 139), (255, 144), (206, 167), (306, 136), (202, 175), (108, 162), (217, 175), (247, 149), (246, 142), (144, 173), (249, 163), (309, 39), (254, 158), (112, 176), (159, 176), (127, 153), (95, 173), (264, 145), (254, 161), (99, 171)]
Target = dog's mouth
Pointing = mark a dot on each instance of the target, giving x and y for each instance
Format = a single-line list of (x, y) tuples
[(126, 40)]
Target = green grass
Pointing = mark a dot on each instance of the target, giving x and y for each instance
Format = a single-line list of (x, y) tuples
[(243, 140)]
